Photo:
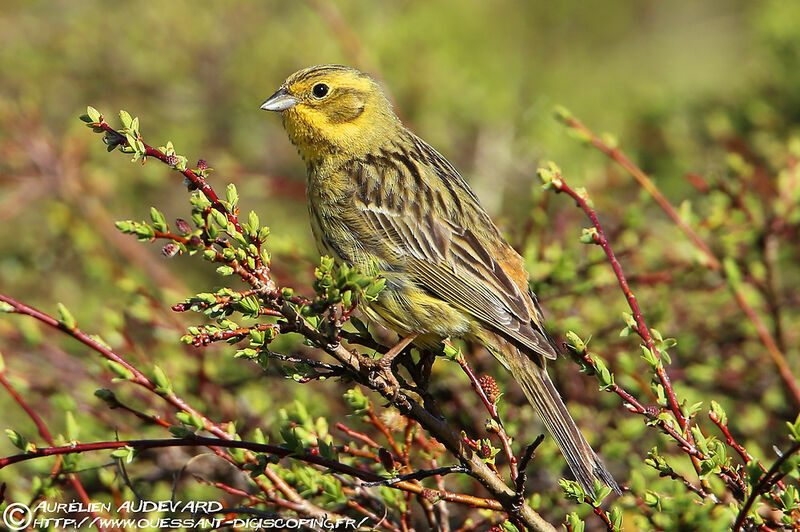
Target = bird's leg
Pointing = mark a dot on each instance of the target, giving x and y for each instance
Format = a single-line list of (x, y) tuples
[(381, 369), (388, 358)]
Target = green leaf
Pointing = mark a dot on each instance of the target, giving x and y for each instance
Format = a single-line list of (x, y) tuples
[(124, 453), (650, 357), (589, 235), (93, 113), (794, 429), (160, 379), (225, 270), (601, 492), (574, 341), (615, 516), (191, 420), (71, 427), (327, 450), (253, 222), (125, 117), (452, 352), (356, 400), (65, 317), (159, 222), (575, 523), (126, 226), (232, 195), (20, 441), (121, 371), (220, 218), (180, 431), (572, 490)]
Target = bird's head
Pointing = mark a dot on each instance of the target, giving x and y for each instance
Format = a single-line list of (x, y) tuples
[(332, 110)]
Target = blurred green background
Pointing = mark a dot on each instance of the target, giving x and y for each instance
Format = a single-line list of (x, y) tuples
[(682, 86), (477, 80)]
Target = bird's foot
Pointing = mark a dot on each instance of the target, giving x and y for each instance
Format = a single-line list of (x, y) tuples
[(381, 372)]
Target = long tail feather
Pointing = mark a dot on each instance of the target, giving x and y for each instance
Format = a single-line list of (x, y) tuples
[(539, 389)]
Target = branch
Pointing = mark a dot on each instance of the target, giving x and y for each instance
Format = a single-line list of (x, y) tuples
[(142, 380), (711, 261), (764, 485), (45, 433), (599, 237), (309, 456)]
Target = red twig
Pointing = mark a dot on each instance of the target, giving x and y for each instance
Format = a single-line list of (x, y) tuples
[(599, 238), (194, 441), (48, 437), (641, 327), (494, 413), (771, 476), (196, 179), (711, 260), (139, 378)]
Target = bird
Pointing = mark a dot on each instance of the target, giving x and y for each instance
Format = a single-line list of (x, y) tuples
[(382, 199)]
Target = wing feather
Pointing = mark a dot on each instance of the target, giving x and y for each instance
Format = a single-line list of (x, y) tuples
[(451, 263)]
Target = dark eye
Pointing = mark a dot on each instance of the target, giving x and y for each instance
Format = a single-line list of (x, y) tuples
[(320, 90)]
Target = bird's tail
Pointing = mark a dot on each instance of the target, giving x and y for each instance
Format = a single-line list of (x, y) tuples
[(539, 389)]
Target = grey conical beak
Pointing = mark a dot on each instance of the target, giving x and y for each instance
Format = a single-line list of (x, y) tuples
[(280, 101)]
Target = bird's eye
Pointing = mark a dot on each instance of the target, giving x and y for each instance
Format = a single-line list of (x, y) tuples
[(320, 90)]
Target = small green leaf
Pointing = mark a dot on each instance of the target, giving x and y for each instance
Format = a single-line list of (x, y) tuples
[(572, 490), (225, 270), (191, 420), (232, 195), (589, 235), (163, 385), (253, 222), (575, 523), (121, 371), (159, 222), (93, 113), (180, 431), (356, 400), (124, 453), (71, 427), (20, 441), (65, 317), (125, 117)]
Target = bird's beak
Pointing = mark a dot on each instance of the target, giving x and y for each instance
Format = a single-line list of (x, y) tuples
[(280, 101)]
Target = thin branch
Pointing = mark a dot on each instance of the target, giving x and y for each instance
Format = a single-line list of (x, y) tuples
[(494, 413), (77, 485), (308, 457), (711, 261), (770, 478), (418, 475), (599, 238), (142, 380)]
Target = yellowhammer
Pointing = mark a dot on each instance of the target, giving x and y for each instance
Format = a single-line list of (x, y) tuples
[(380, 197)]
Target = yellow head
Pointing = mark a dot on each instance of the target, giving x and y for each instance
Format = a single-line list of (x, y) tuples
[(332, 111)]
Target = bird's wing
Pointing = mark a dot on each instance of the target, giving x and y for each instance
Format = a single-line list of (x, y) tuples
[(451, 263)]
